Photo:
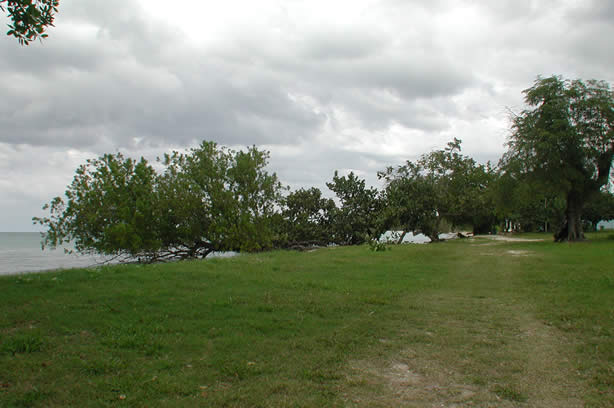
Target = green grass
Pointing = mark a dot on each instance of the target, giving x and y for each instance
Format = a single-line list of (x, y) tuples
[(467, 322)]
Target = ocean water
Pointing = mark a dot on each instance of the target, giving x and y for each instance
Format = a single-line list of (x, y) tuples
[(21, 252)]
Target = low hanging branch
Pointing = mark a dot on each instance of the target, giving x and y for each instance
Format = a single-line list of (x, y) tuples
[(29, 18)]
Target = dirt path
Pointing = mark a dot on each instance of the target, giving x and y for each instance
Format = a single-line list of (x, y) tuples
[(507, 238), (468, 347)]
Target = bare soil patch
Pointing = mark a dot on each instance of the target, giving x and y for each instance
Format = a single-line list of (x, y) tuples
[(408, 382), (502, 357), (519, 253), (507, 238)]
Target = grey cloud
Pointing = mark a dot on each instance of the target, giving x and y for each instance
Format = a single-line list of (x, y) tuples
[(109, 79), (123, 99), (592, 11), (117, 97), (123, 24), (378, 89), (88, 34), (378, 110), (318, 166), (338, 44), (410, 69), (513, 10), (411, 76)]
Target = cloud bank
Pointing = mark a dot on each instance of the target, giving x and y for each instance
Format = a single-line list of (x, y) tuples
[(354, 86)]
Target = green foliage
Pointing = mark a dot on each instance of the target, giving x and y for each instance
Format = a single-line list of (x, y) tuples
[(109, 209), (464, 187), (411, 200), (307, 218), (441, 185), (29, 18), (355, 221), (525, 204), (207, 199), (23, 343), (215, 199), (565, 142), (599, 208), (377, 246)]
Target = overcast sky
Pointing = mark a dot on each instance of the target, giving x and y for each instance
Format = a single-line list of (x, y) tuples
[(323, 85)]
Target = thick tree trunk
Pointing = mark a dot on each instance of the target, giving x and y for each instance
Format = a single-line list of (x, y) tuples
[(400, 240), (572, 228)]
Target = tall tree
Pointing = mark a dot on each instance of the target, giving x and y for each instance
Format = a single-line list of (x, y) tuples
[(29, 18), (565, 139)]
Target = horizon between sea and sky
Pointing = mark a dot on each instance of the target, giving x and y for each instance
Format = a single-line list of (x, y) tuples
[(349, 86), (21, 252)]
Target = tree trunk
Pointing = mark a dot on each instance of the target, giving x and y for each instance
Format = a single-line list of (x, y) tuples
[(400, 240), (572, 228)]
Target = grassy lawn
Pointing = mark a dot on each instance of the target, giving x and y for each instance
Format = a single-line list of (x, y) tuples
[(476, 323)]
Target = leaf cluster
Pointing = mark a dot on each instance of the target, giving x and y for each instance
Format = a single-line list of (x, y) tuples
[(29, 18)]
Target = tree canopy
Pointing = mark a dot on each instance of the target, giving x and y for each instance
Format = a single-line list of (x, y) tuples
[(308, 218), (565, 142), (29, 18), (207, 199), (355, 221), (442, 185), (211, 198)]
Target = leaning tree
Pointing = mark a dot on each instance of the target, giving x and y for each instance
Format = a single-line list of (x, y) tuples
[(208, 199), (565, 140)]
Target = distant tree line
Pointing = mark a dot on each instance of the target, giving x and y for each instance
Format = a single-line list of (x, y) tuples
[(553, 178)]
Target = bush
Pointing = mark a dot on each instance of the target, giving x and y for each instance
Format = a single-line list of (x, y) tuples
[(377, 246)]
